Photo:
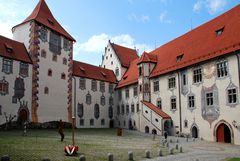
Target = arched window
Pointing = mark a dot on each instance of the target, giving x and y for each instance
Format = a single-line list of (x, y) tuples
[(63, 76), (46, 91), (127, 109), (96, 111), (88, 99), (102, 100), (110, 112), (50, 72), (80, 110)]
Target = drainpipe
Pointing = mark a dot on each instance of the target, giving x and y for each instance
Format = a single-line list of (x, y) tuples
[(238, 62), (180, 104)]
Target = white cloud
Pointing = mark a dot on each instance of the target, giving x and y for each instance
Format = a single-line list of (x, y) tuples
[(212, 6), (142, 18), (163, 17), (97, 43)]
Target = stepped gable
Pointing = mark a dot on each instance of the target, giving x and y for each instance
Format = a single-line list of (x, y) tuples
[(124, 54), (13, 50), (217, 37), (44, 16), (81, 69), (156, 110)]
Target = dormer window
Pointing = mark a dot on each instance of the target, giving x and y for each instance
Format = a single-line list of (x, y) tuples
[(104, 74), (179, 58), (219, 31), (82, 69), (9, 48), (125, 76), (50, 21)]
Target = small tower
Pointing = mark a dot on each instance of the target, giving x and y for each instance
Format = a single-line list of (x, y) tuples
[(145, 66)]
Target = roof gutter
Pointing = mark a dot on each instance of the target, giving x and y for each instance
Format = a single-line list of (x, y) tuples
[(180, 103)]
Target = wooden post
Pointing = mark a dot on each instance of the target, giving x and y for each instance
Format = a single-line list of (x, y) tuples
[(73, 130)]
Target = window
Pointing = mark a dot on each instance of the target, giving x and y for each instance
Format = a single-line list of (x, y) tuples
[(110, 100), (3, 86), (110, 55), (132, 108), (171, 82), (197, 75), (7, 66), (209, 99), (63, 76), (219, 31), (232, 96), (102, 86), (117, 71), (123, 110), (222, 69), (184, 79), (159, 103), (156, 86), (110, 112), (135, 91), (120, 95), (0, 110), (96, 111), (127, 109), (111, 62), (55, 43), (102, 100), (91, 122), (66, 44), (185, 123), (80, 110), (173, 103), (43, 53), (138, 107), (191, 101), (118, 110), (179, 58), (106, 57), (140, 71), (81, 122), (127, 93), (46, 90), (94, 85), (110, 88), (49, 72), (54, 58), (82, 83), (146, 87), (102, 122), (88, 99), (64, 61), (43, 34)]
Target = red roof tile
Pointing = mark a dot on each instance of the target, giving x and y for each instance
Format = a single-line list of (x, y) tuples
[(146, 57), (18, 50), (156, 110), (125, 55), (93, 72), (43, 15), (130, 76), (200, 44)]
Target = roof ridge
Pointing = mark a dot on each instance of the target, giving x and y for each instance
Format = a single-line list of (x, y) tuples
[(92, 65)]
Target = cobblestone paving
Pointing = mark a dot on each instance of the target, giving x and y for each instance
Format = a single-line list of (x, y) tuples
[(200, 151)]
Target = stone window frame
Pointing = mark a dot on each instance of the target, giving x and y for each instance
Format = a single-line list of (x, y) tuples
[(156, 87), (102, 86), (88, 98), (231, 86), (159, 102), (197, 74), (102, 100), (96, 111), (94, 85), (122, 109), (66, 44), (185, 123), (132, 108), (110, 88), (55, 45), (43, 34), (171, 82), (63, 76), (80, 110), (82, 83), (91, 122), (64, 61), (209, 98), (4, 87), (117, 71), (43, 53), (46, 90), (184, 81), (127, 93), (81, 122), (110, 112), (222, 69), (50, 73), (173, 103), (102, 122), (7, 66), (191, 101), (23, 69), (146, 87), (127, 109), (111, 102), (135, 91), (54, 57)]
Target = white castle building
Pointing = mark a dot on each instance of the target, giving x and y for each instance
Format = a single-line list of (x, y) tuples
[(189, 85)]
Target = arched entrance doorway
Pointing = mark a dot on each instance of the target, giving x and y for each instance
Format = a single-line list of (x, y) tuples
[(168, 127), (146, 129), (23, 115), (130, 126), (111, 123), (223, 134), (194, 132), (154, 131)]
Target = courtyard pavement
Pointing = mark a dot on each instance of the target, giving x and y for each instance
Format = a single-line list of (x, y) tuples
[(199, 150)]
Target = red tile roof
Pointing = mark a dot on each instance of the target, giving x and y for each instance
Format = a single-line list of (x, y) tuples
[(125, 55), (201, 43), (146, 58), (156, 110), (130, 76), (18, 50), (43, 15), (93, 72)]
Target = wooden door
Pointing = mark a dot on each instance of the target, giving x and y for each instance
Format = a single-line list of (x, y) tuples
[(220, 133)]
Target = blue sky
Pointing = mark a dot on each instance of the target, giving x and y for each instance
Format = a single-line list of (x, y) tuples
[(144, 24)]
